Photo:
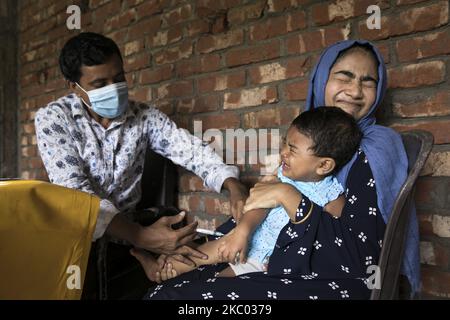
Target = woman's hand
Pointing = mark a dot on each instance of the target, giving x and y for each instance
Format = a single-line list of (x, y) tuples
[(265, 195), (233, 247), (238, 195)]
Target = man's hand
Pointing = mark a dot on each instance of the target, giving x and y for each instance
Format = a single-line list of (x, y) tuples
[(238, 195), (161, 238)]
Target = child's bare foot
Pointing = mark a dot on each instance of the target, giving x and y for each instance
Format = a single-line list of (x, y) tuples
[(151, 266)]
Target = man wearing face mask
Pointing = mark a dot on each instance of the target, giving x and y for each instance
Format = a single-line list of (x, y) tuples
[(95, 139)]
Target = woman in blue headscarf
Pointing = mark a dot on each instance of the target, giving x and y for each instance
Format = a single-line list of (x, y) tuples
[(343, 78), (329, 258), (382, 146)]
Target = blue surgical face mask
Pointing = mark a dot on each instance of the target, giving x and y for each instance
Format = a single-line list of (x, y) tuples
[(109, 101)]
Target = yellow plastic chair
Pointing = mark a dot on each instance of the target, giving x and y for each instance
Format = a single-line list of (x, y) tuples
[(45, 238)]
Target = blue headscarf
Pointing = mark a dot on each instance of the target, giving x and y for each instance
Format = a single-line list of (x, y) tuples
[(382, 146)]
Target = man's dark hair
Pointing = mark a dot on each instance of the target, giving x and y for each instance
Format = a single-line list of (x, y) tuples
[(86, 48), (335, 133)]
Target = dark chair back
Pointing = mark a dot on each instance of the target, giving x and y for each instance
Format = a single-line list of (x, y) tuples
[(117, 271), (418, 146), (158, 182)]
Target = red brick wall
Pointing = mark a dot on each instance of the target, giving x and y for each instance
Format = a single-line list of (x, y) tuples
[(236, 63)]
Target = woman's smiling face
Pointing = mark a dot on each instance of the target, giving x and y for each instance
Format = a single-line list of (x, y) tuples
[(352, 83)]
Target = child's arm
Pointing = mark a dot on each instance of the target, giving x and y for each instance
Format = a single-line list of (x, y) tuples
[(252, 219)]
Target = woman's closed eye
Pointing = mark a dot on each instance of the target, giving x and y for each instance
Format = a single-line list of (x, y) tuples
[(369, 83), (343, 78)]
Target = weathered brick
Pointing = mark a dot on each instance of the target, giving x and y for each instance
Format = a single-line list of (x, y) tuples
[(425, 226), (119, 36), (209, 222), (176, 89), (147, 26), (191, 183), (189, 203), (435, 282), (121, 20), (175, 34), (295, 67), (268, 73), (43, 100), (35, 163), (430, 191), (198, 104), (24, 141), (215, 5), (324, 13), (422, 104), (28, 128), (166, 106), (178, 15), (217, 206), (219, 121), (246, 13), (203, 64), (408, 21), (133, 47), (147, 9), (438, 164), (221, 82), (156, 75), (210, 43), (197, 27), (173, 54), (288, 114), (360, 6), (441, 226), (434, 254), (278, 26), (158, 39), (282, 5), (403, 2), (416, 75), (141, 94), (250, 97), (316, 40), (220, 24), (439, 128), (96, 3), (296, 90), (248, 55), (267, 118), (425, 46), (137, 62), (30, 151)]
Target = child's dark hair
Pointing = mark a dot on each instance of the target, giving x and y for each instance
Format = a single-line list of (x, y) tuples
[(86, 48), (334, 133)]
